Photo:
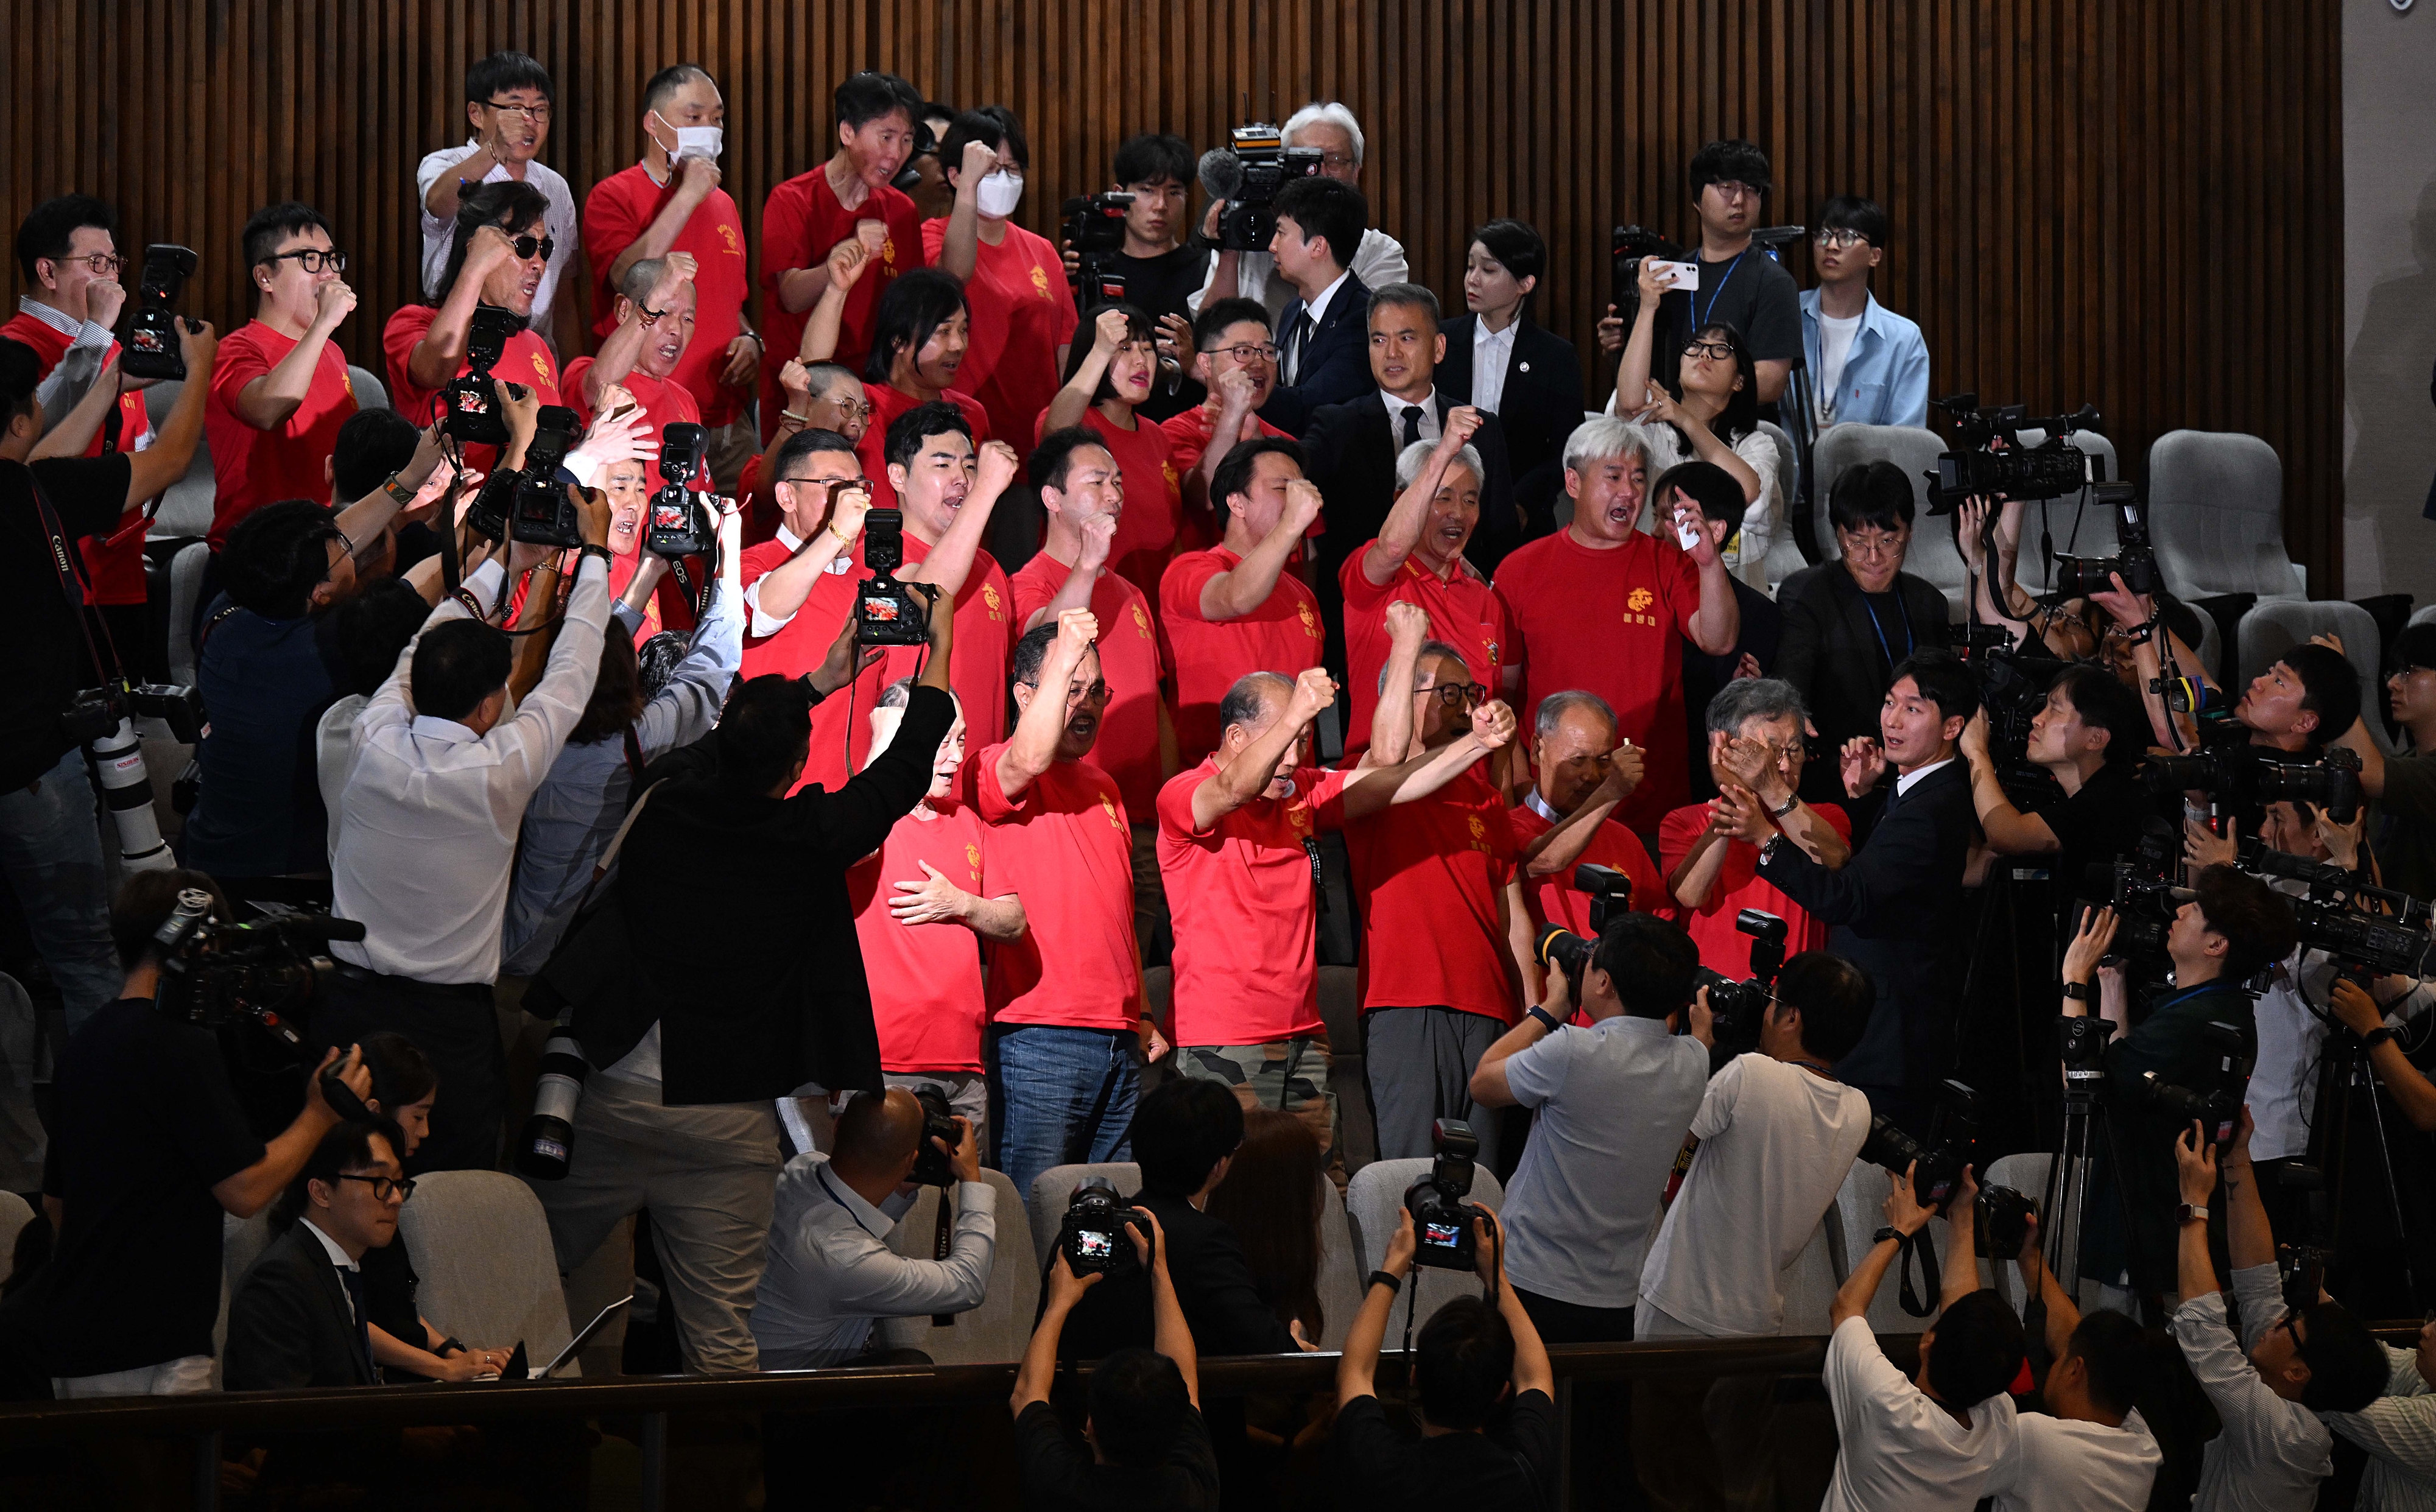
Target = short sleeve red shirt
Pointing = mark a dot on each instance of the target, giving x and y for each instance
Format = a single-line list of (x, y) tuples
[(1067, 852), (1429, 873), (665, 402), (800, 222), (1282, 636), (1245, 912), (800, 645), (1724, 948), (1188, 435), (251, 468), (619, 209), (886, 405), (526, 358), (1023, 312), (926, 979), (1127, 747), (1465, 612), (1559, 902), (113, 566), (1153, 499), (1613, 622)]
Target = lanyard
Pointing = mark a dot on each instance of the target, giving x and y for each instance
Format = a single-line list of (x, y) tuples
[(1910, 643), (1698, 320)]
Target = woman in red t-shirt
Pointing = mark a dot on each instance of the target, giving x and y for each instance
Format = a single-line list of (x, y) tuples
[(1103, 382), (1023, 310), (918, 344)]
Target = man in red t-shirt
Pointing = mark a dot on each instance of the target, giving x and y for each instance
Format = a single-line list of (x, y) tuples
[(671, 203), (1023, 312), (1418, 558), (1601, 606), (799, 587), (1236, 839), (1711, 851), (1444, 926), (280, 390), (1235, 608), (916, 900), (1566, 819), (849, 196), (495, 259), (656, 328), (67, 251), (1066, 998), (1083, 489)]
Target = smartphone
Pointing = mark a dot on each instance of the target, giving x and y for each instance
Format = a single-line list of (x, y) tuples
[(1681, 277), (1688, 533)]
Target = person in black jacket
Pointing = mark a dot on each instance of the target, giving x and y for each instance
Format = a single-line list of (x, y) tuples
[(1323, 344), (724, 973), (1848, 622), (1501, 360), (302, 1318), (1894, 905), (1184, 1137)]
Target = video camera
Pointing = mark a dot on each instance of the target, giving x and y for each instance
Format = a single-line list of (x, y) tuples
[(2217, 1106), (931, 1165), (1442, 1219), (2250, 777), (886, 612), (1095, 1233), (471, 406), (1249, 179), (1631, 244), (2332, 916), (153, 331), (533, 504), (677, 524), (2080, 576), (1936, 1165), (1736, 1009), (215, 973), (1559, 948), (2012, 688), (1095, 228), (2052, 469)]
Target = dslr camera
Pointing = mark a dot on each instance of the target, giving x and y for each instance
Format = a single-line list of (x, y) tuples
[(152, 333), (2003, 1225), (1095, 1235), (930, 1166), (1559, 948), (1736, 1009), (2217, 1103), (2248, 776), (471, 408), (677, 524), (887, 612), (1265, 162), (1937, 1163), (2052, 469), (93, 713), (1095, 228), (533, 506), (1442, 1219)]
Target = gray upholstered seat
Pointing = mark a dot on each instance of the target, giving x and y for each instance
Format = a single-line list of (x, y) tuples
[(2274, 626), (371, 392), (1054, 1188), (998, 1329), (490, 1277), (1374, 1201), (2216, 514), (187, 508), (1933, 554)]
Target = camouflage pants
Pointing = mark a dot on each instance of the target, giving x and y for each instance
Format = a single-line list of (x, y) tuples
[(1290, 1075)]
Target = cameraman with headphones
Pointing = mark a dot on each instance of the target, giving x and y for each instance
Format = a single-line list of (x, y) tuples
[(150, 1149)]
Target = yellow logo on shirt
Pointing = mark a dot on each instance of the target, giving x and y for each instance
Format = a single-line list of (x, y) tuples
[(540, 368), (1116, 820), (1492, 653), (888, 255), (973, 859), (727, 235), (1299, 815), (1039, 280), (1167, 471), (990, 598), (1479, 830), (1309, 621), (1638, 600), (1141, 621)]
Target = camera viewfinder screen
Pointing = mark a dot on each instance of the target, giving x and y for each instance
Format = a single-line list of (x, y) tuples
[(1093, 1244), (1443, 1236)]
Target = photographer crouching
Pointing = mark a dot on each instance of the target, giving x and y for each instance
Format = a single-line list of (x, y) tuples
[(694, 1025)]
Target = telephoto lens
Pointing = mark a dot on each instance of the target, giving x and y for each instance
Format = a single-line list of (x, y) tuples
[(548, 1140)]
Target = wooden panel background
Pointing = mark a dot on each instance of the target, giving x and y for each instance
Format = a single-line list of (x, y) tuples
[(2133, 203)]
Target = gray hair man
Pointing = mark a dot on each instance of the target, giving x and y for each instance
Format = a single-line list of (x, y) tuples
[(1329, 128)]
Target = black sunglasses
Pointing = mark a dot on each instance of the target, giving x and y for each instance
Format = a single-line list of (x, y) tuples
[(526, 246)]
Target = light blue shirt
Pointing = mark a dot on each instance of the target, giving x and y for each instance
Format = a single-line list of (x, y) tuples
[(1885, 381)]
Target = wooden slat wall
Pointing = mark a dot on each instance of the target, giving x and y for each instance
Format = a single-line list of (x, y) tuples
[(2134, 202)]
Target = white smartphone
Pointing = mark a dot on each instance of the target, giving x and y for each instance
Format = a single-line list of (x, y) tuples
[(1682, 277), (1688, 533)]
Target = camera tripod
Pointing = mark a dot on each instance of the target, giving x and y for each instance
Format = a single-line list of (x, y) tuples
[(2064, 1203), (2347, 1085)]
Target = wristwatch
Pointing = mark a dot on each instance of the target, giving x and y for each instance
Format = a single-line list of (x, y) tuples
[(2077, 991), (1548, 1020), (2190, 1213), (2376, 1036), (1384, 1278), (1889, 1231), (608, 562), (1792, 801), (1768, 849)]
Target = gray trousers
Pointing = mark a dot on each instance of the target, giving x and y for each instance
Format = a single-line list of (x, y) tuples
[(1419, 1063), (708, 1176)]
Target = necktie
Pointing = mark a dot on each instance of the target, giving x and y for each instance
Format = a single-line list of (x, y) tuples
[(353, 1280), (1304, 330), (1412, 427), (1894, 796)]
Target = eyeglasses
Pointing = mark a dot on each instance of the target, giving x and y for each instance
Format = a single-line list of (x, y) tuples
[(1453, 695), (535, 114), (525, 247), (1719, 351), (313, 259), (384, 1187), (103, 264), (1096, 693), (853, 407), (1871, 548), (1336, 160), (650, 317), (1248, 353), (1734, 188), (1839, 238)]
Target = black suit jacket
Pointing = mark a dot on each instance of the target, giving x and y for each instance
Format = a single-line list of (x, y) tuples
[(1893, 909), (1539, 406), (1829, 650), (1351, 452), (289, 1326), (1334, 368), (1223, 1304)]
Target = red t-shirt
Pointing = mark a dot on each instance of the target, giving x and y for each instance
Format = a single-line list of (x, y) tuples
[(526, 358), (251, 468), (1188, 435), (1153, 497), (1127, 747), (1244, 908), (1023, 312), (1613, 622), (1066, 851), (1724, 948), (887, 403), (665, 402), (1282, 636), (621, 208), (1558, 902), (926, 979), (1465, 612), (801, 222), (1429, 873), (800, 646), (113, 565)]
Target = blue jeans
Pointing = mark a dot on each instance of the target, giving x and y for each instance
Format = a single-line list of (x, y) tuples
[(1063, 1096), (50, 848)]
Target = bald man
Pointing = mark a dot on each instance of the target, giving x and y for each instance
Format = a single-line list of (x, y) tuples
[(831, 1275)]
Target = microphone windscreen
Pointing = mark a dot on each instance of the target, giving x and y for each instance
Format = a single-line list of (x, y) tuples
[(1222, 173)]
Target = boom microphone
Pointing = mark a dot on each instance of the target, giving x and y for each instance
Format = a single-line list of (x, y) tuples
[(1221, 173)]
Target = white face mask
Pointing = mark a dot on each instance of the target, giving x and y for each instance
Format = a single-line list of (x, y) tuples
[(999, 192), (695, 141)]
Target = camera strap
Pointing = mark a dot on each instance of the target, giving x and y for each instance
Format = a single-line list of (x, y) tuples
[(1926, 1248), (65, 563), (939, 1245)]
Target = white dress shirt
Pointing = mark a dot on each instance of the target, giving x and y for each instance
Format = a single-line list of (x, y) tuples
[(424, 838), (1378, 262), (1292, 341), (1911, 779), (1427, 422), (2272, 1453), (89, 345), (769, 624), (1492, 352), (831, 1273), (559, 221), (2398, 1430)]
